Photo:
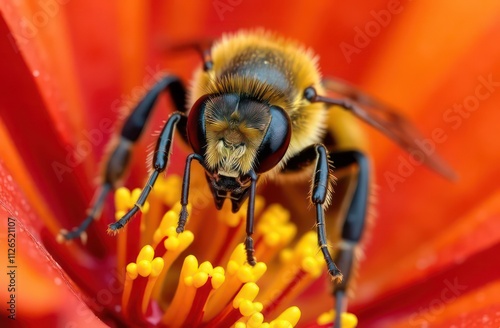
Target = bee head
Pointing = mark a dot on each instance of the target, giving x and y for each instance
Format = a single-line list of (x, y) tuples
[(236, 134)]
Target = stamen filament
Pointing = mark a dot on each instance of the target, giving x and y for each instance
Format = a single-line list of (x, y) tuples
[(169, 245), (127, 248), (140, 279), (242, 305), (196, 312), (238, 272), (177, 310), (300, 267), (274, 232)]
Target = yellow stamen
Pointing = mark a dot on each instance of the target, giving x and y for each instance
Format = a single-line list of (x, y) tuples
[(299, 268), (238, 272), (124, 201), (288, 318), (146, 267), (173, 188), (156, 269), (249, 291), (173, 243), (192, 277), (276, 231), (233, 292), (127, 286), (184, 294), (255, 321), (348, 320)]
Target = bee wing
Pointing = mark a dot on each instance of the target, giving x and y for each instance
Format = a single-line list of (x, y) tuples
[(388, 121)]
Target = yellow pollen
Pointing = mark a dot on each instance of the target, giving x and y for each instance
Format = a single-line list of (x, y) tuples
[(174, 244), (218, 277), (198, 280), (313, 266), (146, 254), (238, 272), (173, 185), (237, 266), (276, 231), (247, 307), (348, 320), (177, 310), (144, 268), (122, 199), (156, 267), (192, 277), (256, 320), (249, 291), (169, 220), (288, 318), (132, 271), (273, 233)]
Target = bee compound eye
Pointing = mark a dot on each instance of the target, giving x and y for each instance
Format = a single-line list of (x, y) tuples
[(196, 130), (276, 140)]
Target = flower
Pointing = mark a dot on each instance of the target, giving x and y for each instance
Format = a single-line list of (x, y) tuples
[(427, 257)]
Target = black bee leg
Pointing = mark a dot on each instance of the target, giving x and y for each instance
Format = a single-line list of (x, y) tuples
[(160, 162), (354, 223), (119, 160), (320, 192), (185, 190), (250, 220), (321, 182)]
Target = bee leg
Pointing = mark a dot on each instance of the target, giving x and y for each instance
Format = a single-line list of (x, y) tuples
[(354, 223), (322, 180), (120, 156), (250, 220), (160, 163), (185, 190), (320, 190)]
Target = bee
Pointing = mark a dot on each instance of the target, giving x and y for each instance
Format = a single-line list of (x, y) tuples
[(259, 109)]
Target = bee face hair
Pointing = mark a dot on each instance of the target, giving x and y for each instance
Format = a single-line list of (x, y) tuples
[(235, 127)]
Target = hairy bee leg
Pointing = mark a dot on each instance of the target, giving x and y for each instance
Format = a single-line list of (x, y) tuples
[(321, 181), (185, 190), (354, 222), (130, 132), (160, 163), (250, 220), (136, 121)]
